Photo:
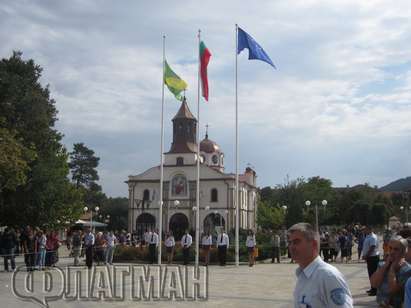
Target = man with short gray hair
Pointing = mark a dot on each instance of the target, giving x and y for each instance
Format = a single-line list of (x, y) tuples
[(319, 284)]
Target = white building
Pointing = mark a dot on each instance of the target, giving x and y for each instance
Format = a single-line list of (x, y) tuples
[(179, 190)]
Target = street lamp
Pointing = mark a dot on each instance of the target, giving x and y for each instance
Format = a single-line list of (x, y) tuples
[(284, 207), (96, 209), (107, 220), (324, 203)]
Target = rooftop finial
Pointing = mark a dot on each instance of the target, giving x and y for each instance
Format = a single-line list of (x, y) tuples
[(206, 136)]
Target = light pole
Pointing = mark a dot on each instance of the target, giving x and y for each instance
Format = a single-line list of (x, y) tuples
[(324, 203), (96, 209), (284, 207), (107, 220)]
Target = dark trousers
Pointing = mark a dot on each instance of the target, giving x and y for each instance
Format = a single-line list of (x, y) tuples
[(372, 265), (29, 259), (326, 254), (9, 254), (186, 255), (152, 253), (222, 252), (275, 254), (89, 256)]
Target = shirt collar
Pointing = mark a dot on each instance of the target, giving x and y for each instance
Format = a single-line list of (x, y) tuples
[(310, 268)]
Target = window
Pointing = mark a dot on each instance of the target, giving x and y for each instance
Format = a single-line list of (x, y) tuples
[(215, 159), (146, 195), (214, 195), (180, 161), (146, 198)]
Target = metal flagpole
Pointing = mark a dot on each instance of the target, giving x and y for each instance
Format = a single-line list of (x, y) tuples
[(160, 232), (237, 210), (198, 159)]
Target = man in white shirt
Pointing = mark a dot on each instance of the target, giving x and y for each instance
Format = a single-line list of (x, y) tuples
[(206, 242), (152, 246), (223, 243), (88, 245), (169, 243), (371, 255), (186, 242), (319, 284), (111, 242)]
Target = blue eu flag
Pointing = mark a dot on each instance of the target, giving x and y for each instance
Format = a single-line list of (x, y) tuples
[(255, 51)]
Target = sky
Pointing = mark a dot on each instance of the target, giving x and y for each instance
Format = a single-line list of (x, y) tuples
[(338, 105)]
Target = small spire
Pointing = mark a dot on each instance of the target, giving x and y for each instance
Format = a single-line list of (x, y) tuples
[(206, 136)]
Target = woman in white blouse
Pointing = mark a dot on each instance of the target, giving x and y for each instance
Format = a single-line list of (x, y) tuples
[(250, 243), (206, 242), (170, 244)]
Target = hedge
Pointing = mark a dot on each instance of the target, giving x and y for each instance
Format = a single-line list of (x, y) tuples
[(140, 254)]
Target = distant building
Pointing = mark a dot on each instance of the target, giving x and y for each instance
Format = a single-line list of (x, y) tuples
[(179, 190)]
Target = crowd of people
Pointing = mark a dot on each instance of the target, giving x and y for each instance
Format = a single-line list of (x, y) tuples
[(389, 268), (39, 247), (319, 284)]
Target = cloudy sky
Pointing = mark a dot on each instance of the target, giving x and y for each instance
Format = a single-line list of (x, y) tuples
[(338, 106)]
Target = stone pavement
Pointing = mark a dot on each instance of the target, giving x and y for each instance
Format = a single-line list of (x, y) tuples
[(264, 285)]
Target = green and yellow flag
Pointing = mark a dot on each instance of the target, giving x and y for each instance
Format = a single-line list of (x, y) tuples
[(174, 83)]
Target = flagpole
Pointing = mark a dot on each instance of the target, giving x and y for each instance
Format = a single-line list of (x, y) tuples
[(237, 207), (198, 159), (161, 158)]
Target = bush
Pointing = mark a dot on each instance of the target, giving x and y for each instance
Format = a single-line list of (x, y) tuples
[(140, 254)]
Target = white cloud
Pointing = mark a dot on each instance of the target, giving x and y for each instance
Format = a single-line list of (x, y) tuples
[(344, 75)]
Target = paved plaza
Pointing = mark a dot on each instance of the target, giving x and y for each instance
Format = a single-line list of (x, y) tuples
[(264, 285)]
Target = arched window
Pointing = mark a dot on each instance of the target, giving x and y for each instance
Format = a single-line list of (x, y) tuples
[(180, 161), (214, 159), (146, 198), (146, 195), (214, 195)]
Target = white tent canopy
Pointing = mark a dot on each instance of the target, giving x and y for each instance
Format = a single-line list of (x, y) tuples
[(86, 223)]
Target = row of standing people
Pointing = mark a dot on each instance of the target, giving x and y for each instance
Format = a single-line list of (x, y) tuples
[(40, 248), (222, 244), (97, 247)]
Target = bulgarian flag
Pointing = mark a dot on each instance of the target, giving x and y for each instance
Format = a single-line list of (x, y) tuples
[(205, 56), (174, 83)]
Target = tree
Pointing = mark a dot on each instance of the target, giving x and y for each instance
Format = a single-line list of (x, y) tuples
[(14, 161), (269, 217), (117, 208), (42, 193), (83, 165)]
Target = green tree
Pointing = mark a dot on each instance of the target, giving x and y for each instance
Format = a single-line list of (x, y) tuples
[(44, 194), (83, 164), (14, 161), (269, 217), (117, 209), (317, 189)]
